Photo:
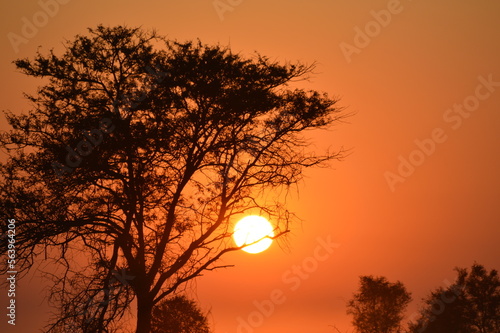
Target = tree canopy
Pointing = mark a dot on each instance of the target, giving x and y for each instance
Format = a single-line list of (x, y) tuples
[(178, 314), (136, 157), (379, 305), (470, 305)]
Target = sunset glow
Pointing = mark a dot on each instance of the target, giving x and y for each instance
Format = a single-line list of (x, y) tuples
[(251, 229), (132, 156)]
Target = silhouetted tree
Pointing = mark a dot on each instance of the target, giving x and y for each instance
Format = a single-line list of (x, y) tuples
[(378, 306), (178, 315), (470, 305), (136, 157)]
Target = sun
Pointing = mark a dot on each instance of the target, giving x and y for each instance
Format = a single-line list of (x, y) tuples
[(254, 230)]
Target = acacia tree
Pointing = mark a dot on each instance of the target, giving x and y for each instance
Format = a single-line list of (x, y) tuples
[(138, 154), (379, 305)]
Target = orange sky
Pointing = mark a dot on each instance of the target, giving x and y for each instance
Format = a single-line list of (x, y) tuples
[(406, 80)]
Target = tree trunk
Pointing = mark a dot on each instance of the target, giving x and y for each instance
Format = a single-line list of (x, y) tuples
[(144, 312)]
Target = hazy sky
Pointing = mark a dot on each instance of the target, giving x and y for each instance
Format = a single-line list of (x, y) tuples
[(417, 196)]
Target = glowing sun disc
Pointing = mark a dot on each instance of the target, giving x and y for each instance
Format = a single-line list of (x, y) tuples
[(249, 230)]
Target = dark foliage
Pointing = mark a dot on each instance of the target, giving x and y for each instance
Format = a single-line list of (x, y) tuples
[(378, 306), (178, 315), (138, 154), (470, 305)]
